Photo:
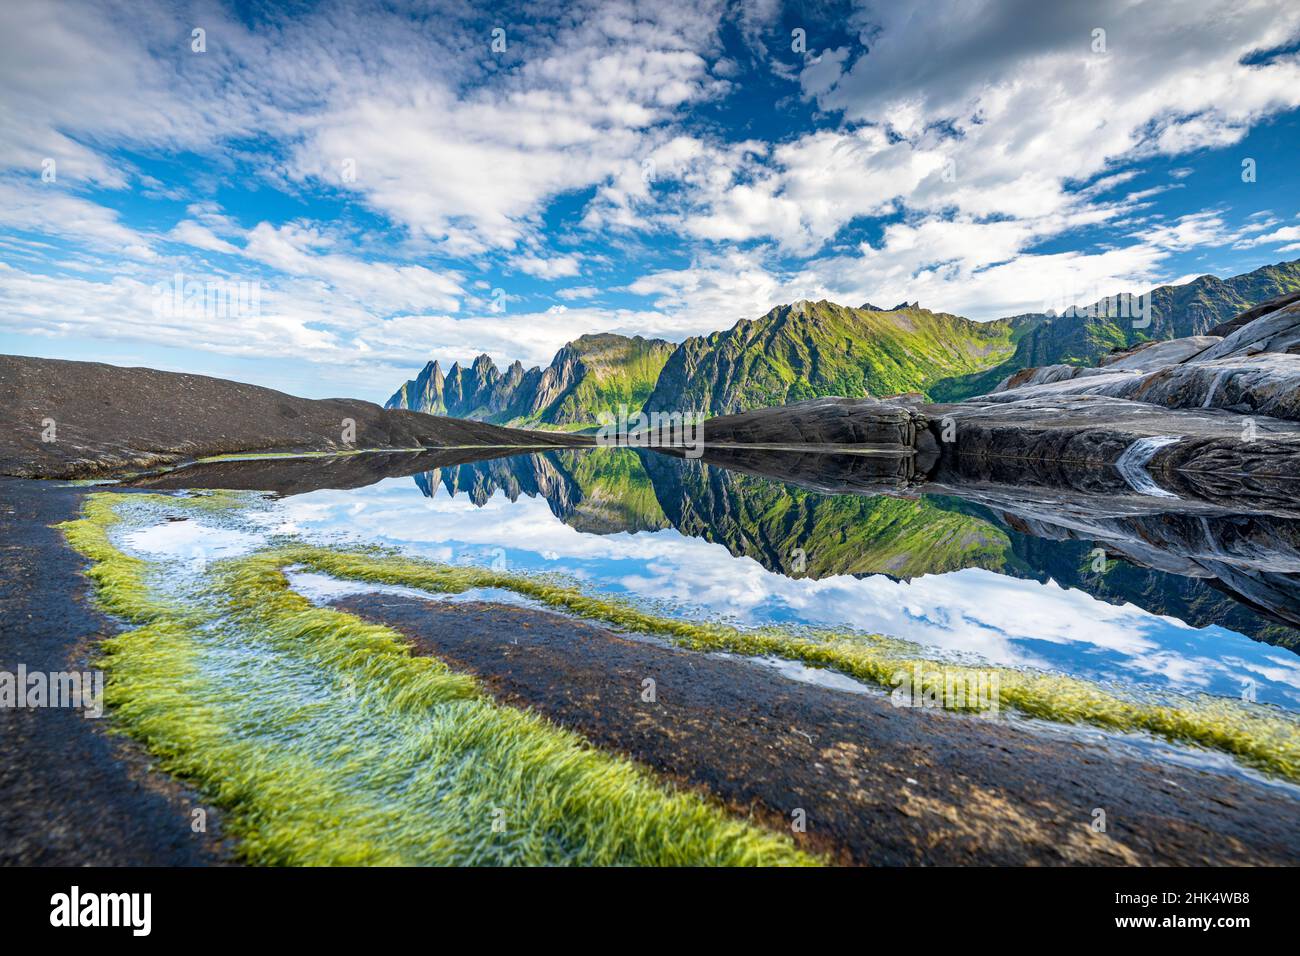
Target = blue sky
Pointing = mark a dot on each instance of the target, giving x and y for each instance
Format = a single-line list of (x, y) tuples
[(396, 186)]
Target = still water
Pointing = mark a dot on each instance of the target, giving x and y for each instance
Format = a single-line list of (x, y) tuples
[(962, 580)]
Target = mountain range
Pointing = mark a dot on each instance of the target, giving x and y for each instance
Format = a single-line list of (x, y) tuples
[(810, 349)]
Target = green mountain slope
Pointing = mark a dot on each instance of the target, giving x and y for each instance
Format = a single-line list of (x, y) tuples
[(608, 371), (810, 349)]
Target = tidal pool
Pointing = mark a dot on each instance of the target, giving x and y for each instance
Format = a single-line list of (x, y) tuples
[(722, 548)]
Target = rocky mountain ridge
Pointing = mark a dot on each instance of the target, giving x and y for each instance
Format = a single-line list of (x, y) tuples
[(593, 373), (813, 349)]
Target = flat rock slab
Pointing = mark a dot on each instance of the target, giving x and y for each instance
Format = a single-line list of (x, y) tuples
[(879, 784), (1250, 315), (1071, 430), (72, 794), (1276, 331), (1153, 355), (84, 419), (1267, 384), (819, 421)]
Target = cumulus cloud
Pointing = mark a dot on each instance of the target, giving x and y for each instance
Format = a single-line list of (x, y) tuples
[(982, 134), (556, 267)]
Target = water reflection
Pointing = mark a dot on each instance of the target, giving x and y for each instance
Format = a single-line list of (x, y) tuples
[(989, 575)]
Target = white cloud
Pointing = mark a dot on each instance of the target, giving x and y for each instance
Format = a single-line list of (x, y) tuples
[(199, 236), (383, 287), (474, 170), (577, 292), (1285, 234), (50, 209), (555, 267), (995, 112)]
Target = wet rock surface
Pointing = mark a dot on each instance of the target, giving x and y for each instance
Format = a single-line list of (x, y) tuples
[(1254, 370), (1265, 385), (1225, 329), (820, 421), (71, 792), (1098, 430), (879, 784), (1277, 331), (1153, 355)]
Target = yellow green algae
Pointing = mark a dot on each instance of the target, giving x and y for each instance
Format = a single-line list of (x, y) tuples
[(327, 742)]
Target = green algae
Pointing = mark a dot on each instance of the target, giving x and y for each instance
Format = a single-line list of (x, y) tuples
[(328, 742)]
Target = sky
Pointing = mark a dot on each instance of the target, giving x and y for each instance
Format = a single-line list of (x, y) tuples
[(321, 197)]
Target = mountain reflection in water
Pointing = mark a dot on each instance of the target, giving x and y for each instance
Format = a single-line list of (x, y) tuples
[(1195, 577), (1191, 598)]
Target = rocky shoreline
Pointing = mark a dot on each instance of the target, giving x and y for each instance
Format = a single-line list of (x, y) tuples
[(871, 778), (1199, 480)]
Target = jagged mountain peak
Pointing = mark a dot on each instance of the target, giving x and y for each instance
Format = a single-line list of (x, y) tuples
[(594, 372)]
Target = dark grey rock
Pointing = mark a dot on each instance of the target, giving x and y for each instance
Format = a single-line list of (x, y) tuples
[(108, 419), (821, 421)]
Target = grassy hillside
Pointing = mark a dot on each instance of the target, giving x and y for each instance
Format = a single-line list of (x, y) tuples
[(810, 349), (613, 370), (819, 348), (592, 374)]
